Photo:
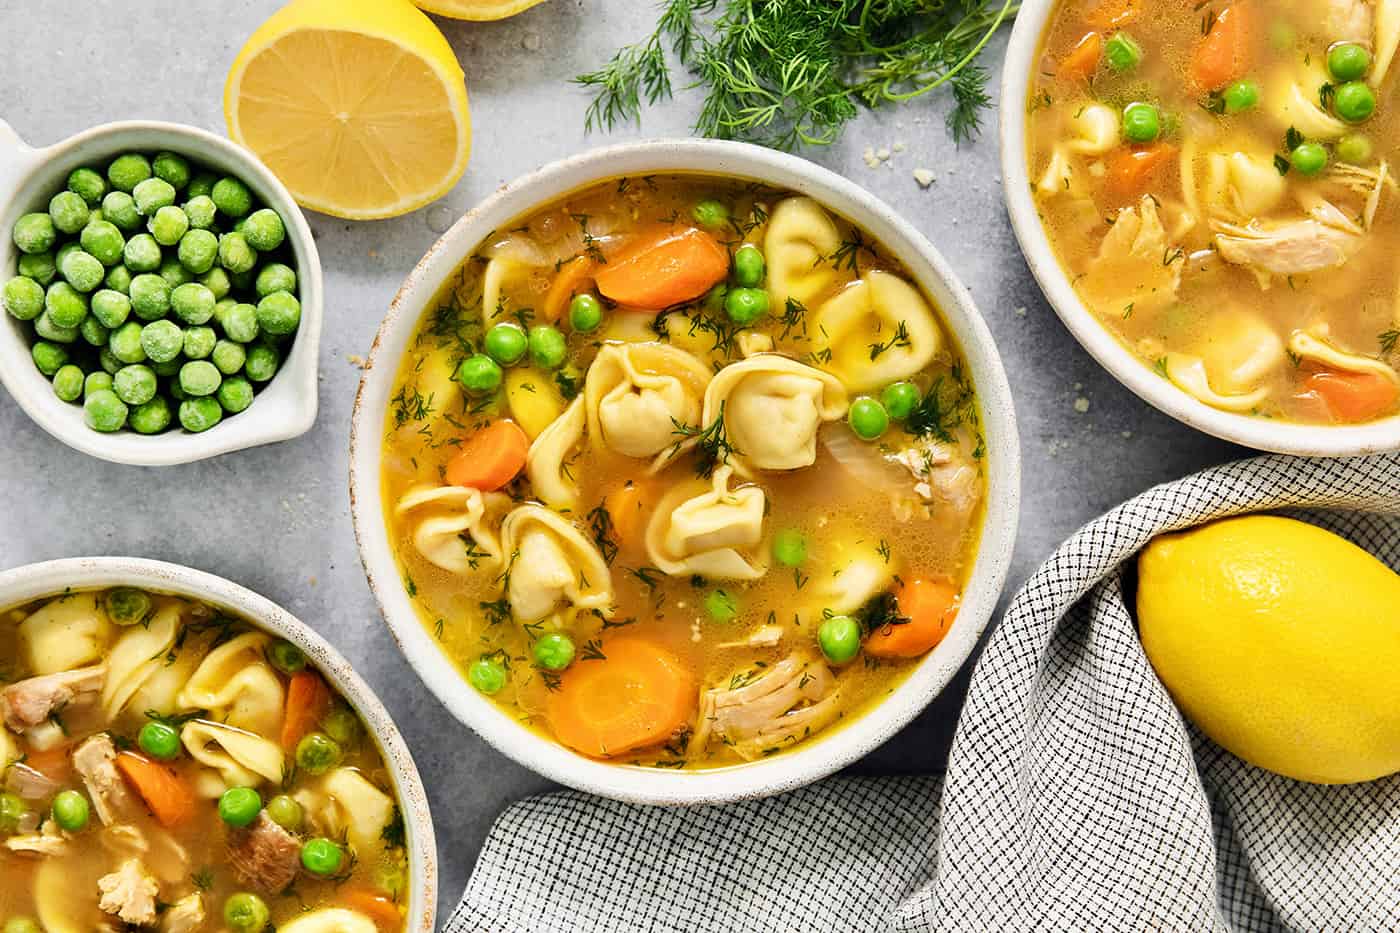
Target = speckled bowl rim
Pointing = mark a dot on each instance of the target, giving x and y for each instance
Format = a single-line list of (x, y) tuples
[(55, 577), (1260, 433), (817, 758)]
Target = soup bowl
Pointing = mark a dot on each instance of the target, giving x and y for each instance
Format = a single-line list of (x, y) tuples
[(817, 757), (36, 581), (1019, 71)]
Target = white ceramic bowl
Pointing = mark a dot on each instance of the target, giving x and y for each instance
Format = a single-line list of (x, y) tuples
[(52, 578), (284, 409), (813, 759), (1261, 433)]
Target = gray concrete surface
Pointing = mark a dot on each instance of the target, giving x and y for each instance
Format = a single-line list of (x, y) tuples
[(277, 519)]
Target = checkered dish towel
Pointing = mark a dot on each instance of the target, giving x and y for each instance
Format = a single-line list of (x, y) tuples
[(1077, 798)]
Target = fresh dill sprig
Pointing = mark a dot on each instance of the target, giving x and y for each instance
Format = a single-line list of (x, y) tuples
[(712, 444)]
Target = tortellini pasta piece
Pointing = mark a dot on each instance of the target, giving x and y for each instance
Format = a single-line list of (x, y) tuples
[(57, 909), (457, 526), (552, 563), (546, 463), (235, 758), (66, 633), (346, 805), (1242, 184), (638, 396), (1313, 348), (878, 330), (801, 237), (1231, 368), (500, 272), (1293, 102), (714, 533), (236, 684), (138, 655), (1093, 129), (1387, 39), (330, 920), (772, 408)]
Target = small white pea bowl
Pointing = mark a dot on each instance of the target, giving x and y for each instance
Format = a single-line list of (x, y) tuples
[(283, 409), (1308, 440), (815, 758), (56, 577)]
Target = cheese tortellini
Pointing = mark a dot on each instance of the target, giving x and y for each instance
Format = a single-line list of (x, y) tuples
[(639, 396), (138, 656), (546, 464), (800, 240), (1242, 184), (772, 408), (878, 330), (457, 527), (233, 757), (552, 563), (1314, 348), (236, 684), (65, 633), (714, 533), (1230, 371), (347, 806), (330, 920)]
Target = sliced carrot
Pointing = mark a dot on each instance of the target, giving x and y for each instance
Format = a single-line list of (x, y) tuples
[(930, 606), (167, 796), (1083, 60), (53, 763), (665, 270), (308, 700), (627, 506), (568, 282), (1352, 397), (1132, 169), (377, 907), (490, 458), (1225, 52), (637, 694)]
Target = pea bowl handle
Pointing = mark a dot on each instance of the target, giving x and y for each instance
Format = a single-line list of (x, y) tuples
[(15, 156)]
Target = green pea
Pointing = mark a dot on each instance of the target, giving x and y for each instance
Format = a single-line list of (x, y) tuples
[(317, 753), (790, 547), (235, 394), (900, 399), (82, 270), (174, 272), (12, 811), (321, 857), (241, 323), (48, 358), (286, 657), (839, 638), (192, 303), (262, 363), (45, 327), (1354, 148), (96, 381), (585, 313), (88, 185), (235, 254), (162, 341), (1241, 96), (746, 305), (487, 675), (200, 342), (119, 279), (135, 384), (506, 343), (151, 418), (286, 813), (68, 383), (200, 414), (246, 913), (1309, 158), (171, 168), (547, 347), (868, 418), (342, 725), (24, 298), (104, 241), (201, 212), (1141, 123), (22, 924), (749, 266), (232, 197), (275, 277), (63, 251), (279, 314), (1348, 61), (41, 267), (104, 412), (239, 806), (710, 213), (554, 652), (721, 605), (69, 211), (199, 378), (1354, 101), (128, 171), (217, 281), (108, 360), (66, 306), (152, 195), (34, 233), (1122, 52), (119, 208), (479, 374), (150, 296), (264, 230), (228, 357), (71, 811), (142, 253), (93, 331), (169, 225), (126, 343), (201, 185), (160, 740)]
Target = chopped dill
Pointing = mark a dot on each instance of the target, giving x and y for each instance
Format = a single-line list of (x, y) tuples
[(600, 523), (900, 339), (1389, 340), (711, 444), (497, 611), (947, 405), (592, 651)]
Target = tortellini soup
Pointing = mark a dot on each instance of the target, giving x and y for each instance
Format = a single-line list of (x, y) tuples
[(169, 768), (1215, 179), (682, 471)]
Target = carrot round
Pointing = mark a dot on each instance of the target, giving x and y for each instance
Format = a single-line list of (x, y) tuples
[(637, 694), (665, 271), (377, 907), (1132, 169), (308, 700), (165, 793), (567, 282), (1350, 396), (1083, 60), (930, 606), (626, 507), (1224, 53), (490, 458)]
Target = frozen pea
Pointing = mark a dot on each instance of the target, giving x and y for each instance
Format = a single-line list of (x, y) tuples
[(24, 298), (262, 363), (41, 267), (110, 307), (264, 230), (232, 197), (69, 211), (200, 414), (108, 360), (192, 303), (201, 212), (48, 357), (128, 171), (162, 340), (199, 378), (199, 342), (102, 239), (34, 233), (88, 185), (275, 277), (97, 381), (95, 215), (153, 194), (119, 208), (126, 345), (279, 314), (135, 384), (168, 368), (150, 296), (152, 417), (64, 250), (241, 323), (104, 411), (45, 327), (65, 305), (82, 270), (171, 168), (168, 225), (93, 332), (68, 383), (142, 253), (235, 394), (174, 272), (119, 279), (222, 308), (202, 185), (198, 250), (235, 254), (217, 281), (228, 356)]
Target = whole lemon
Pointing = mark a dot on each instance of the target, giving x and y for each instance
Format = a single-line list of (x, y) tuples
[(1281, 641)]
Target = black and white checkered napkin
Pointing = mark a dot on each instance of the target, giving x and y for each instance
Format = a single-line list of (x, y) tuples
[(1076, 799)]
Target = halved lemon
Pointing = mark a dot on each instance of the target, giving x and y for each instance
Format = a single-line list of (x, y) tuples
[(358, 106), (476, 9)]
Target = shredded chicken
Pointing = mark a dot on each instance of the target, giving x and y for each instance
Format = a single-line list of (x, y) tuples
[(95, 761), (943, 475), (31, 702), (264, 855), (755, 713), (48, 841), (129, 894), (184, 916), (24, 781), (1137, 265), (765, 636), (1291, 248)]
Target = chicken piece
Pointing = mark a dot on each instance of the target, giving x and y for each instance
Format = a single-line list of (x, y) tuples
[(1136, 267), (755, 713), (31, 702), (943, 475), (95, 761), (1292, 248), (264, 855), (184, 916), (129, 894), (765, 636), (48, 841), (24, 781)]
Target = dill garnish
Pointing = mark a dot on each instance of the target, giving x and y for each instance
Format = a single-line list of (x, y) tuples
[(1389, 340), (948, 404), (592, 651), (711, 444), (900, 339), (600, 523)]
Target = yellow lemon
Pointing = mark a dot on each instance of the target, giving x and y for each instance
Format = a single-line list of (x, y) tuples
[(359, 106), (1281, 641), (476, 9)]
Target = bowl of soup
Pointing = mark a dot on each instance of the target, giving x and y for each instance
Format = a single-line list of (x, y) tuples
[(1205, 194), (684, 471), (180, 754)]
